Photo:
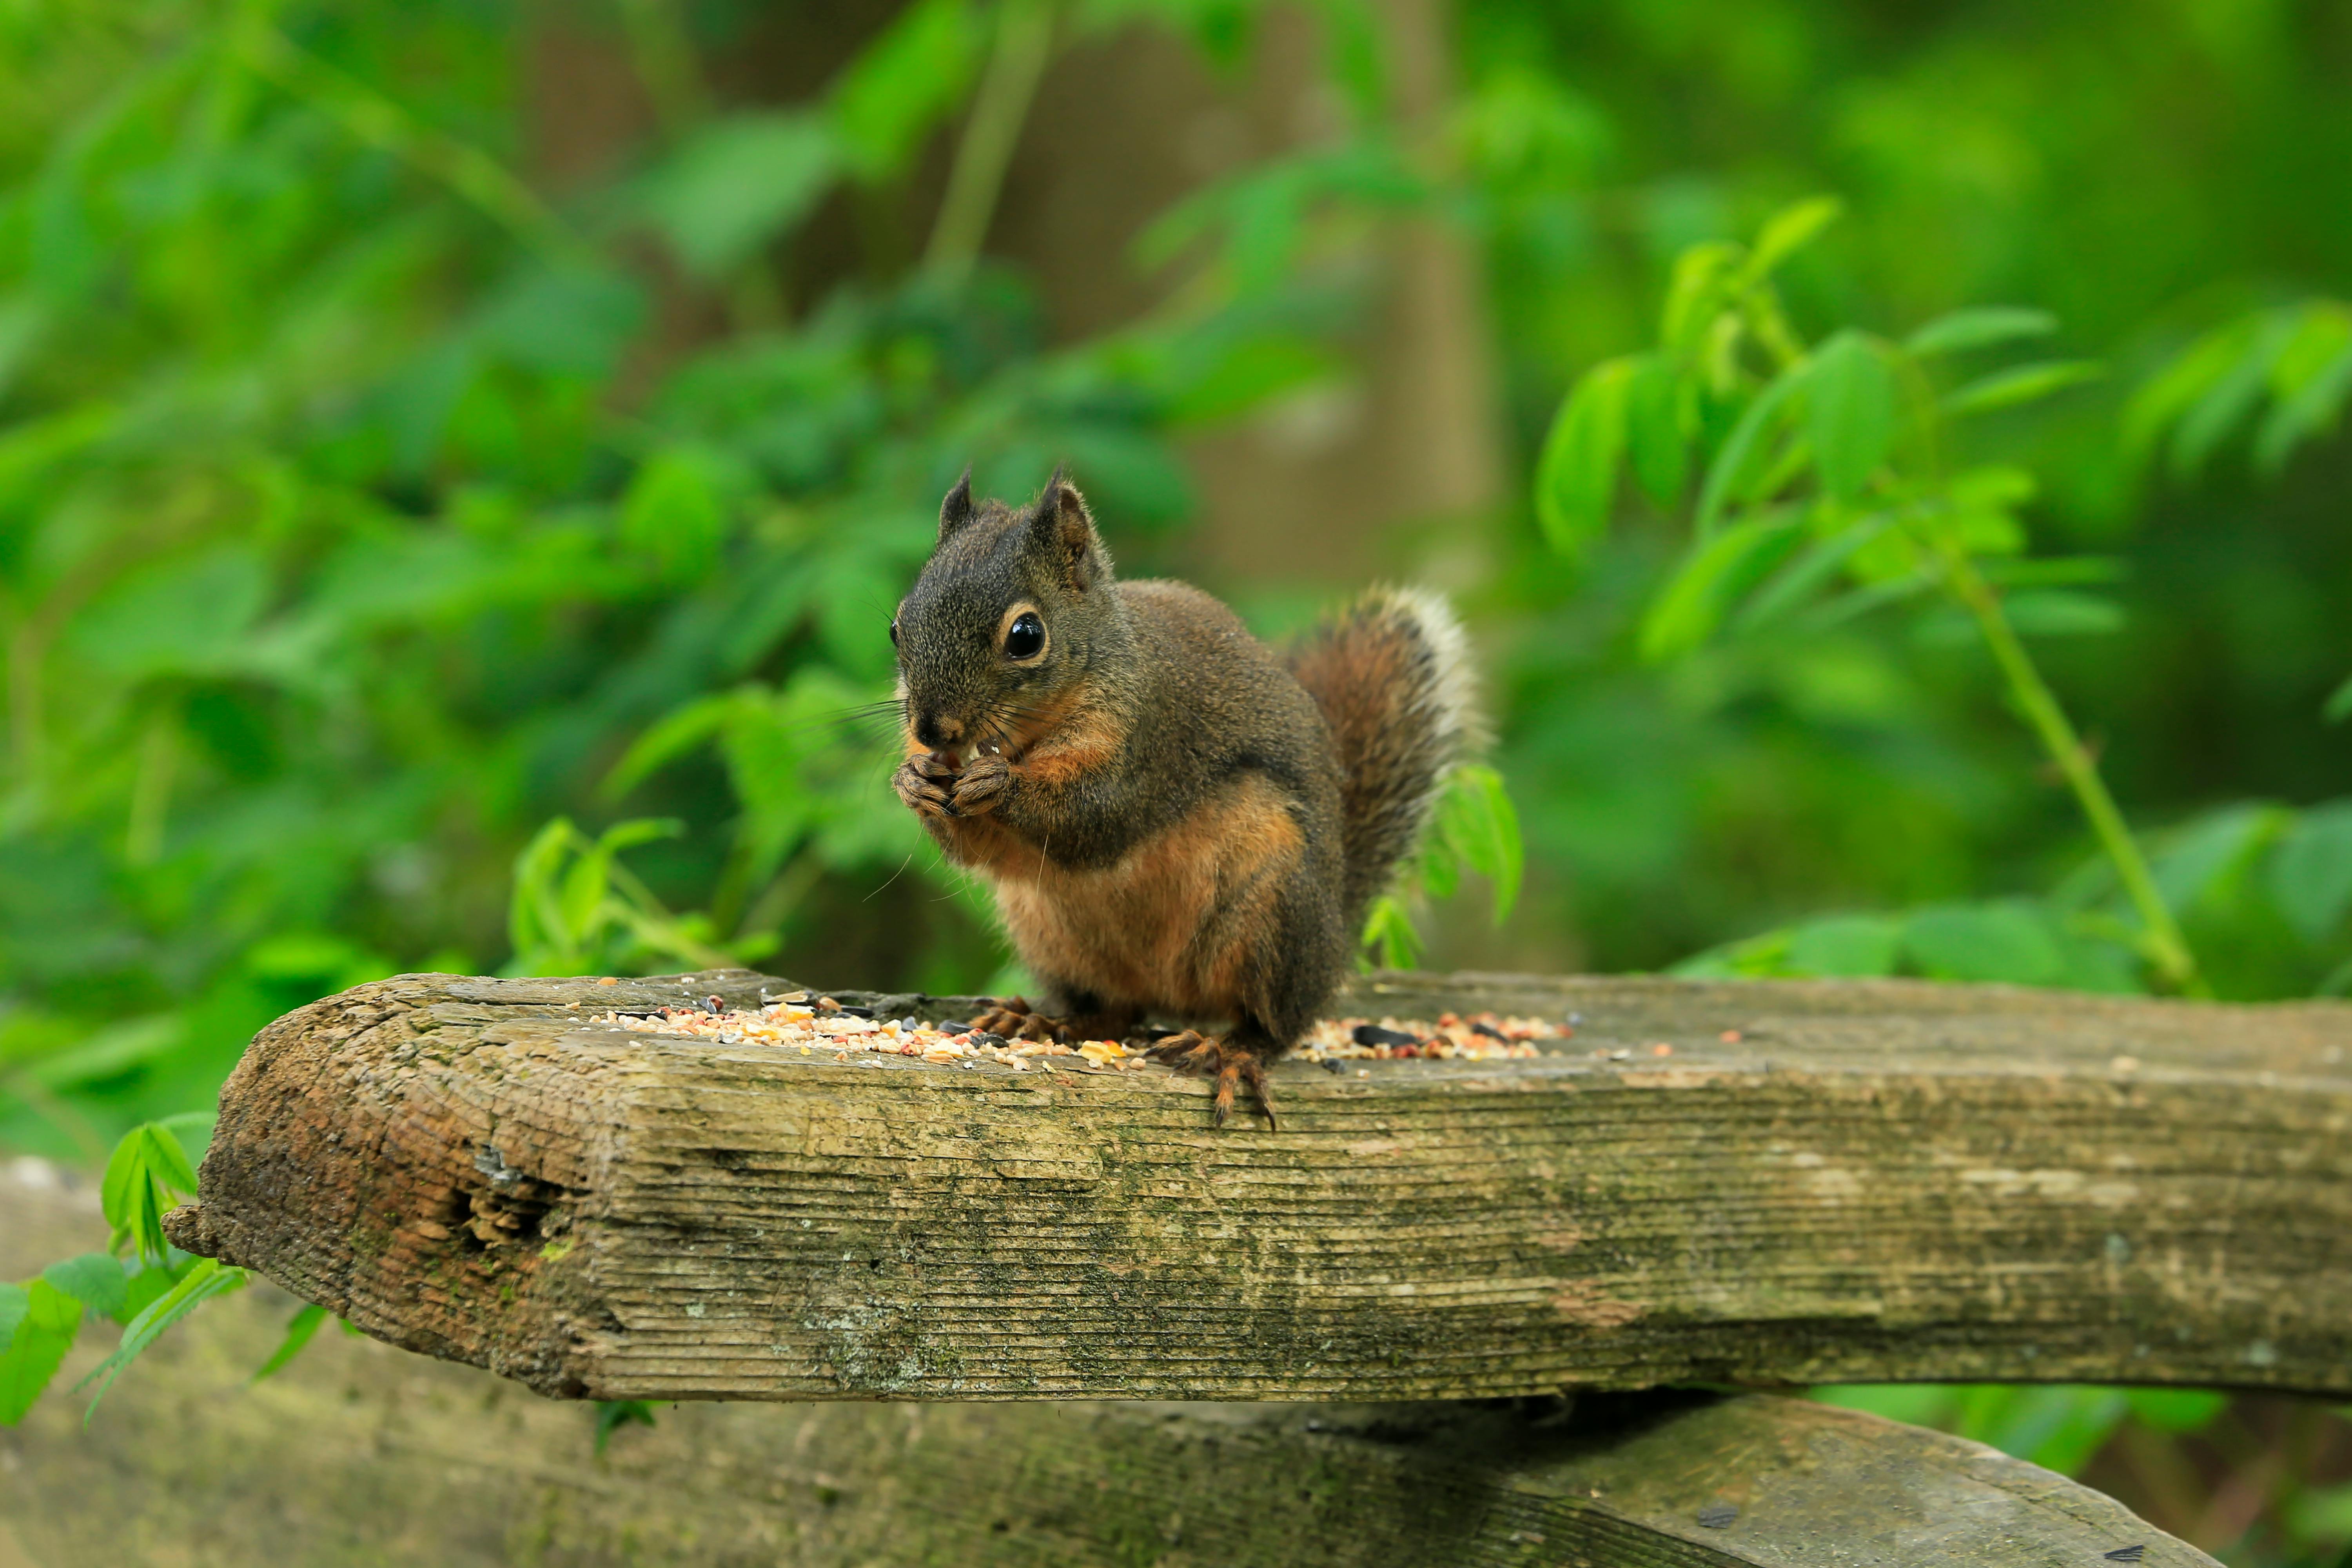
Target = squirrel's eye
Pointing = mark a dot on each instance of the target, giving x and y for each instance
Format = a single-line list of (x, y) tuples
[(1025, 638), (894, 631)]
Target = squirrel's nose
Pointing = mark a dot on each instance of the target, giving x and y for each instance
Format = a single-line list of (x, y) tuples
[(938, 733)]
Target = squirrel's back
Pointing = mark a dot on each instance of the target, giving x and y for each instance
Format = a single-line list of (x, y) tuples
[(1391, 674)]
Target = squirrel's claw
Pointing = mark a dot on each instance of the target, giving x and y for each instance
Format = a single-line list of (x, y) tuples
[(1231, 1064), (980, 786), (1013, 1019), (916, 787)]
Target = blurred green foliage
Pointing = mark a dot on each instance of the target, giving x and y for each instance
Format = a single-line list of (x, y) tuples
[(405, 562), (352, 528), (2136, 181)]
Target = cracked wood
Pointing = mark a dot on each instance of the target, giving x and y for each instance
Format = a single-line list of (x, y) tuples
[(1821, 1182)]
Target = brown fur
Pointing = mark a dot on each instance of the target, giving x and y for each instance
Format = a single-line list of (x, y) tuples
[(1391, 675), (1176, 919), (1170, 821)]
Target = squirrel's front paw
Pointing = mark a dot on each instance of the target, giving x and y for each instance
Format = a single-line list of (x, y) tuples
[(1013, 1017), (923, 785), (980, 786)]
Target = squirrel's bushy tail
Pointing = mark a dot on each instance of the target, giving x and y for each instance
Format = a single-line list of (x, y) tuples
[(1392, 673)]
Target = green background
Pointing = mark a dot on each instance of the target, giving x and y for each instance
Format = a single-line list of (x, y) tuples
[(433, 435)]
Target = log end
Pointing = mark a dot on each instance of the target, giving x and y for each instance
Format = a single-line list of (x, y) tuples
[(188, 1228)]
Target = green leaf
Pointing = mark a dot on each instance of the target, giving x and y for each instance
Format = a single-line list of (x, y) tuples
[(2175, 1409), (569, 319), (1476, 817), (299, 1331), (1836, 611), (148, 1164), (903, 84), (672, 736), (168, 1160), (186, 615), (2232, 398), (1978, 326), (1696, 294), (1811, 571), (1654, 436), (119, 1197), (611, 1415), (1850, 400), (2056, 571), (1389, 934), (2311, 872), (15, 1302), (2196, 860), (1247, 375), (1576, 478), (2058, 1427), (95, 1279), (116, 1049), (2021, 383), (740, 182), (2160, 402), (2310, 396), (2062, 613), (1742, 447), (589, 882), (144, 1289), (534, 911), (1437, 869), (1713, 577), (2320, 332), (1785, 232), (1982, 942), (45, 1332), (203, 1281), (677, 513), (1844, 946), (2339, 707)]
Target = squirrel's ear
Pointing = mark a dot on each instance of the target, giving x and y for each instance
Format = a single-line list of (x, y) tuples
[(1063, 528), (956, 509)]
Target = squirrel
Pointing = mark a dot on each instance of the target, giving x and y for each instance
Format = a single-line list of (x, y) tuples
[(1173, 818)]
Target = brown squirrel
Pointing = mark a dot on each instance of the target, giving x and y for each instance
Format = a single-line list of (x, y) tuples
[(1174, 818)]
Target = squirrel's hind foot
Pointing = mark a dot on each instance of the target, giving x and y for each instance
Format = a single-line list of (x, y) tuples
[(1231, 1064)]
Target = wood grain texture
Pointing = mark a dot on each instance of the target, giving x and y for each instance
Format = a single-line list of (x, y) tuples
[(1873, 1182), (358, 1454)]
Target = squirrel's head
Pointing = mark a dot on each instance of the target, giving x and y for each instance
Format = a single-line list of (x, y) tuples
[(1012, 610)]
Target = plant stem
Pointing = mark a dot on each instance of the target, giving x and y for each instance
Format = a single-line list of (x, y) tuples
[(1025, 38), (1770, 325), (379, 121), (663, 54), (2160, 932)]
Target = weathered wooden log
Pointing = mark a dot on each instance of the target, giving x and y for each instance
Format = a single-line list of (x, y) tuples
[(1831, 1181), (359, 1454)]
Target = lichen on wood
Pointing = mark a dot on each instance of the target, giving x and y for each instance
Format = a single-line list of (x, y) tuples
[(1830, 1181)]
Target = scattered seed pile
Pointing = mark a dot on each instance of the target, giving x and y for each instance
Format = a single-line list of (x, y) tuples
[(1482, 1037), (813, 1023)]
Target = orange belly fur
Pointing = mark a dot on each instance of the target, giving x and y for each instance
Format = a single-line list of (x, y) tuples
[(1182, 921)]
